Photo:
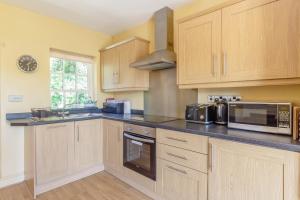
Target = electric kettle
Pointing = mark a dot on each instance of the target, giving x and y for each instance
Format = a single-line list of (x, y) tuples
[(221, 112)]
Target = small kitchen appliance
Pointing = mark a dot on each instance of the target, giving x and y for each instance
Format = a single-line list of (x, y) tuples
[(261, 116), (200, 113), (113, 106), (221, 112)]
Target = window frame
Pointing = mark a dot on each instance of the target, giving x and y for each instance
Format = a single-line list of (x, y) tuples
[(75, 58)]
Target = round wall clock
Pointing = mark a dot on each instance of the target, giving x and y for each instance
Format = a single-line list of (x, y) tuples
[(27, 63)]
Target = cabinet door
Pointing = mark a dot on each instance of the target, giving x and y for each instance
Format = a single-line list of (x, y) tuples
[(175, 182), (247, 172), (110, 68), (113, 145), (88, 144), (199, 49), (54, 151), (127, 73), (260, 40)]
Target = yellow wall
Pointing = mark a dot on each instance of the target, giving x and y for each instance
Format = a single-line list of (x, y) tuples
[(269, 93), (25, 32)]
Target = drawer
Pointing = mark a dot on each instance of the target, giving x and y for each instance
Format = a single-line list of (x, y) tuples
[(183, 157), (175, 182), (182, 140)]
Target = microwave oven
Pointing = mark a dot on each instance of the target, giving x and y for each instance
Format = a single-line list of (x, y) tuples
[(261, 116)]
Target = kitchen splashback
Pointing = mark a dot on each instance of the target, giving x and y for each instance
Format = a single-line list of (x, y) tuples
[(164, 98)]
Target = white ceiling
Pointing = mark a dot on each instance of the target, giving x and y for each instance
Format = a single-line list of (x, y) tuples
[(108, 16)]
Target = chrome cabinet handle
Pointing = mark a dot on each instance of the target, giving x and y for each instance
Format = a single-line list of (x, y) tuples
[(178, 170), (177, 156), (209, 162), (224, 64), (176, 139), (78, 133), (214, 62)]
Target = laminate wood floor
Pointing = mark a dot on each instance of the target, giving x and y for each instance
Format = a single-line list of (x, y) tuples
[(101, 186)]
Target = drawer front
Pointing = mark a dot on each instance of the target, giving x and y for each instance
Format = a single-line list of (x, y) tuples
[(182, 140), (183, 157), (175, 182)]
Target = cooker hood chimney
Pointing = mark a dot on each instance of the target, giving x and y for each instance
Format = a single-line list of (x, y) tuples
[(163, 57)]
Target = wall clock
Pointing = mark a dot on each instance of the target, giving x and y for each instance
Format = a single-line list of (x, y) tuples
[(27, 63)]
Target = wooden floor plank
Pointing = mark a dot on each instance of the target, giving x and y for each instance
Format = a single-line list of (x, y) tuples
[(101, 186)]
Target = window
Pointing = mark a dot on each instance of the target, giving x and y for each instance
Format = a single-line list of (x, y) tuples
[(71, 80)]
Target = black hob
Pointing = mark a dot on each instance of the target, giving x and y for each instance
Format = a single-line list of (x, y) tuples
[(152, 118)]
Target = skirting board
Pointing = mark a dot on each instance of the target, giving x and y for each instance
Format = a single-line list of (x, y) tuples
[(12, 180), (55, 184)]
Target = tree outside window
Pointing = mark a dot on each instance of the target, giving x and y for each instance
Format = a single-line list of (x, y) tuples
[(69, 83)]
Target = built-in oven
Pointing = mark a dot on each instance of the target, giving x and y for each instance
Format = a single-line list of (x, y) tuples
[(261, 116), (139, 149)]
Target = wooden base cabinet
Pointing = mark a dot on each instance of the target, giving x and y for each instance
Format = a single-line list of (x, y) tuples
[(88, 144), (247, 172), (113, 145), (54, 151), (175, 182)]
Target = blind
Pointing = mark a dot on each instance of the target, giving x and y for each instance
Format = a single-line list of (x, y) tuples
[(71, 56)]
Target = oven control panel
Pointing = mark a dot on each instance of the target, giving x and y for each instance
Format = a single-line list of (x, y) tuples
[(140, 130)]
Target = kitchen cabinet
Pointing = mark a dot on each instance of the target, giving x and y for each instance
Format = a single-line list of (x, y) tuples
[(175, 182), (241, 171), (181, 165), (247, 43), (199, 49), (117, 75), (54, 151), (260, 40), (88, 144), (113, 145)]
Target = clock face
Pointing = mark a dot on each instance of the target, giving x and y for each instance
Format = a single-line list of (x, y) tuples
[(27, 63)]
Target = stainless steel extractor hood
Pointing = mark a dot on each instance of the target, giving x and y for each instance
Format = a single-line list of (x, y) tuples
[(163, 57)]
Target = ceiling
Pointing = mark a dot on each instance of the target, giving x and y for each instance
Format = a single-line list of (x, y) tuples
[(107, 16)]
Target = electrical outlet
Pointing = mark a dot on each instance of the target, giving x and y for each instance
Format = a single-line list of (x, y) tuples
[(228, 98), (15, 98)]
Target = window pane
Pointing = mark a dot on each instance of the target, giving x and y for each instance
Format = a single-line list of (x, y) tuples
[(70, 98), (69, 81), (57, 100), (56, 65), (82, 97), (82, 83), (56, 82), (82, 68), (69, 67)]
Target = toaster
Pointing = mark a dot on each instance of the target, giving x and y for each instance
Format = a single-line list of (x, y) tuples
[(200, 113)]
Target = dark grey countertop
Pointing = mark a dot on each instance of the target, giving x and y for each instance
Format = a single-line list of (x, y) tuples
[(216, 131)]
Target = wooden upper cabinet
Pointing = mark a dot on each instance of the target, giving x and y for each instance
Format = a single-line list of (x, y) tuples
[(249, 43), (117, 75), (199, 49), (260, 40), (110, 68)]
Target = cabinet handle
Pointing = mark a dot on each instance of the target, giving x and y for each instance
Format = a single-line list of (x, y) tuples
[(58, 126), (224, 64), (176, 139), (209, 157), (178, 170), (78, 133), (120, 137), (177, 156), (214, 62)]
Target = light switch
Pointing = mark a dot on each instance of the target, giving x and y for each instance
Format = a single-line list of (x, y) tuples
[(15, 98)]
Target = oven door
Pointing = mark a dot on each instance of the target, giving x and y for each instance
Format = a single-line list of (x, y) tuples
[(139, 154)]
